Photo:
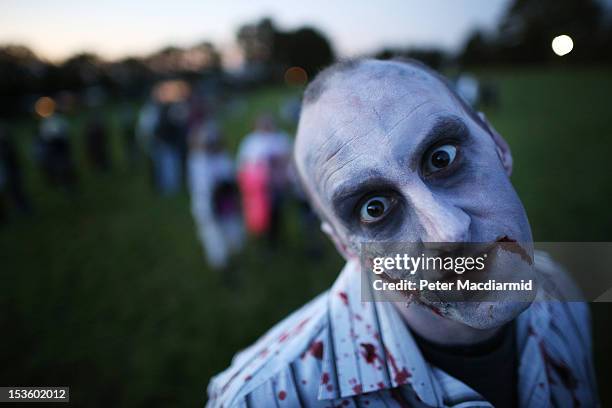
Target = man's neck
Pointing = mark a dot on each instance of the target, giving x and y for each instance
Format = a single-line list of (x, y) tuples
[(440, 330)]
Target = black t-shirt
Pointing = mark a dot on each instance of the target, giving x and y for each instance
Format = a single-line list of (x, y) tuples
[(490, 367)]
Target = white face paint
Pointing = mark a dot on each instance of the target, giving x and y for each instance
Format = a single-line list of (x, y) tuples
[(389, 154)]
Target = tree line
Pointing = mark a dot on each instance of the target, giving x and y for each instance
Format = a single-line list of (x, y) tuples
[(523, 36)]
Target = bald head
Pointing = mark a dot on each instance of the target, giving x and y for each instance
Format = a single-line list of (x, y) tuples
[(361, 96), (324, 80)]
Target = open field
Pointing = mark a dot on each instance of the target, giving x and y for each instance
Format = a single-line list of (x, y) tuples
[(109, 293)]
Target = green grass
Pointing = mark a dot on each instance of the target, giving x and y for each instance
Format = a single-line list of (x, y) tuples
[(110, 293), (558, 125)]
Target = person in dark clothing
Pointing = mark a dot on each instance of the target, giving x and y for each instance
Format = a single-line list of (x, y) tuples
[(11, 173), (96, 137), (170, 135), (54, 153)]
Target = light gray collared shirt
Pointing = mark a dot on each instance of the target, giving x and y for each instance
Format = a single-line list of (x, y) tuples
[(337, 351)]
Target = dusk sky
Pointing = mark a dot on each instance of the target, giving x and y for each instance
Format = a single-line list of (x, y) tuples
[(116, 28)]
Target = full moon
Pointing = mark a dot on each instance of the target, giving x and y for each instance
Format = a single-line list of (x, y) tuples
[(562, 45)]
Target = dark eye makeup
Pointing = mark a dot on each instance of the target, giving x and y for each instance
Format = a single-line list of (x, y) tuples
[(374, 203), (441, 159)]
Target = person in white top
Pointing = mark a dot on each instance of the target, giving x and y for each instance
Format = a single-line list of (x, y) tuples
[(214, 196)]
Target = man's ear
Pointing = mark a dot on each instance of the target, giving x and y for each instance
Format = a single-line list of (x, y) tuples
[(340, 246), (502, 148)]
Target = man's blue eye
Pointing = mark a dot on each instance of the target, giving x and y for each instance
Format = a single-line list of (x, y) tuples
[(440, 158), (375, 209)]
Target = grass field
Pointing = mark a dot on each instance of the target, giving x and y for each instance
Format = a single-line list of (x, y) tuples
[(109, 293)]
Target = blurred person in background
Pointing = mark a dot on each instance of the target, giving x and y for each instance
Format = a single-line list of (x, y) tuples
[(169, 135), (161, 131), (53, 152), (148, 115), (289, 110), (263, 172), (96, 143), (215, 202), (200, 113), (11, 178), (468, 87)]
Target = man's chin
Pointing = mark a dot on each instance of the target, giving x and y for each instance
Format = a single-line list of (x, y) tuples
[(484, 315)]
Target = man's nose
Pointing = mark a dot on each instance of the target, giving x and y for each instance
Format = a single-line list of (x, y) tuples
[(443, 226)]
